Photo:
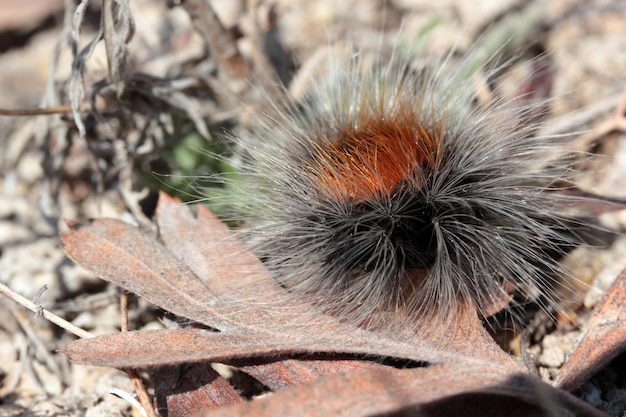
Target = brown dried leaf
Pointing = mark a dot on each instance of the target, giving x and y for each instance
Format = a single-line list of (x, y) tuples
[(603, 341), (441, 390), (213, 254), (163, 347), (181, 390), (281, 374), (258, 332), (119, 253)]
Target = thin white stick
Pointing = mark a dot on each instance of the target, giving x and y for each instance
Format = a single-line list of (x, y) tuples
[(48, 315)]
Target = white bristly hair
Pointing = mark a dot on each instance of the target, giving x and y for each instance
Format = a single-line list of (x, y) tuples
[(389, 191)]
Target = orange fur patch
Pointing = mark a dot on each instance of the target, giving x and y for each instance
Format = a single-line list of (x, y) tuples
[(372, 158)]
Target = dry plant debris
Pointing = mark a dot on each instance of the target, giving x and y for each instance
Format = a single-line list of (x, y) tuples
[(454, 369)]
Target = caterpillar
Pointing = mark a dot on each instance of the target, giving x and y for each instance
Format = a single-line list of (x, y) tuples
[(389, 191)]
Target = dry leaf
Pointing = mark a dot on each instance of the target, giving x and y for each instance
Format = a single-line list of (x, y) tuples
[(441, 391), (181, 390), (198, 275), (603, 340)]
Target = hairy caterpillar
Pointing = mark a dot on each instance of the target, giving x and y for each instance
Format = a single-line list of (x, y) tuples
[(389, 191)]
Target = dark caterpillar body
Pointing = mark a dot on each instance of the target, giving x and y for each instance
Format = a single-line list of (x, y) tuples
[(389, 190)]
